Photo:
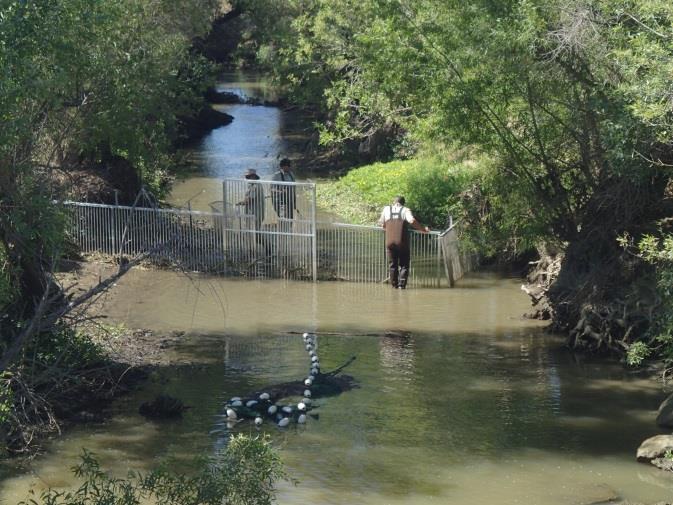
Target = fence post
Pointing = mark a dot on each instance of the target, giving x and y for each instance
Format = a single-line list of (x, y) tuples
[(224, 225), (314, 245), (114, 224), (438, 270)]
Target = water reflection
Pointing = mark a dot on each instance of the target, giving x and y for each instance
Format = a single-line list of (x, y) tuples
[(397, 356), (461, 418)]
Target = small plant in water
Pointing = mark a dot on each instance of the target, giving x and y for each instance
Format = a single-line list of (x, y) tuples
[(243, 474)]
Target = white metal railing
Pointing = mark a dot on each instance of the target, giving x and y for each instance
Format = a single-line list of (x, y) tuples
[(238, 243)]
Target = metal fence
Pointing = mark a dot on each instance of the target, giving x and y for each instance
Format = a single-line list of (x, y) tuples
[(357, 253), (250, 233), (269, 227), (189, 240)]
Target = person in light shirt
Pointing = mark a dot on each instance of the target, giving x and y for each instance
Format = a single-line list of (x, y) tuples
[(395, 220)]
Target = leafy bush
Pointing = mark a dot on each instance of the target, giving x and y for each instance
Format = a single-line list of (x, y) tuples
[(6, 398), (658, 251), (244, 474), (66, 348), (430, 184), (496, 218)]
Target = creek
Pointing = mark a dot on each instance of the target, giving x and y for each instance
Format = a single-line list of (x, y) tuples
[(460, 400)]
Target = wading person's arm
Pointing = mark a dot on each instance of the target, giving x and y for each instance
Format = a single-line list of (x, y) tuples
[(418, 226)]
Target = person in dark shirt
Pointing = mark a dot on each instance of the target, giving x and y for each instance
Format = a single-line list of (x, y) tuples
[(283, 196)]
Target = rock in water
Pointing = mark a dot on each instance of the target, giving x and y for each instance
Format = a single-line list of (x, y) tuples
[(663, 463), (654, 447), (162, 407)]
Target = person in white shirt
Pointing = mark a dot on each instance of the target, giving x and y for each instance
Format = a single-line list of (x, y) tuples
[(395, 220)]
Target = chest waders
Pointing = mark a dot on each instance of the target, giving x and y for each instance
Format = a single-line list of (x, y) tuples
[(397, 245)]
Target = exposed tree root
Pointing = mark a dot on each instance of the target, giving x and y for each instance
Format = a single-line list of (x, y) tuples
[(543, 273), (602, 307)]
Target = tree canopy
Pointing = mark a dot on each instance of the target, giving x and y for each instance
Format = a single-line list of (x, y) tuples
[(570, 101)]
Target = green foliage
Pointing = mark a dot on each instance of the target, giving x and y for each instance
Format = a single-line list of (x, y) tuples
[(66, 348), (658, 251), (431, 186), (84, 82), (243, 474), (6, 399), (496, 218), (532, 84), (637, 353)]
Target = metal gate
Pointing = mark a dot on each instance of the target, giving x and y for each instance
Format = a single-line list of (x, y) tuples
[(269, 228)]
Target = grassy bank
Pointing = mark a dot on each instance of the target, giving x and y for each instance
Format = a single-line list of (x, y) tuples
[(431, 185)]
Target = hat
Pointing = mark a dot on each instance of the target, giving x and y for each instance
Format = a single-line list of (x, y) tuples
[(251, 173)]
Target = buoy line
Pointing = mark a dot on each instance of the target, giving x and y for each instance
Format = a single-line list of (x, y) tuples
[(258, 409)]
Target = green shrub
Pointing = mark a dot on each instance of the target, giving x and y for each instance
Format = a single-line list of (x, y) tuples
[(495, 218), (244, 474), (637, 353), (658, 251), (6, 398), (67, 348), (430, 184)]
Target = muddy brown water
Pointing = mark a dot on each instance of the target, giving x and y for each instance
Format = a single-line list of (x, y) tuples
[(460, 400)]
